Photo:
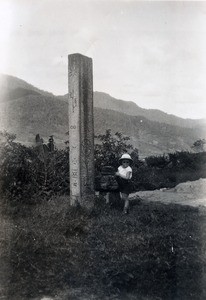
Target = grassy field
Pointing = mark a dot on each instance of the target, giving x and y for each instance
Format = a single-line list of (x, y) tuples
[(156, 252)]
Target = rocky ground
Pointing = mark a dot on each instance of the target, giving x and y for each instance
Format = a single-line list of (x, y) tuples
[(191, 193)]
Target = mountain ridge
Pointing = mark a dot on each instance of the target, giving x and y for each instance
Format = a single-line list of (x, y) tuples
[(26, 111), (132, 108), (105, 101), (9, 82)]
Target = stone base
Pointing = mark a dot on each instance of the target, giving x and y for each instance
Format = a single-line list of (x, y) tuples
[(87, 202)]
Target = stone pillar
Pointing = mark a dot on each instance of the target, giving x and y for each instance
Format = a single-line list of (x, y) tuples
[(81, 130)]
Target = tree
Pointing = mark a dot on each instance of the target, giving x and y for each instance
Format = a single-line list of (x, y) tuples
[(199, 145), (17, 171), (109, 148)]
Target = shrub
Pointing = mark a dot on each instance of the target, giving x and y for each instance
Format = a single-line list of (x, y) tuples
[(109, 149), (157, 161), (17, 169), (27, 171), (43, 170)]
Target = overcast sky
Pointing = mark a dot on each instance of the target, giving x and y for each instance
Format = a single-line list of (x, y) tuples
[(152, 53)]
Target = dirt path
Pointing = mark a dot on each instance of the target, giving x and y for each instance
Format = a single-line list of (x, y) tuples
[(191, 193)]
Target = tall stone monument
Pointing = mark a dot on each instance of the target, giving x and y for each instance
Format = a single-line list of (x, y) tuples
[(81, 130)]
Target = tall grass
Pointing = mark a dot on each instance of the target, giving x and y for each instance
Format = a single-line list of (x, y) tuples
[(156, 252)]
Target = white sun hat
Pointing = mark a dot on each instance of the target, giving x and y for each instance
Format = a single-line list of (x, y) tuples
[(126, 156)]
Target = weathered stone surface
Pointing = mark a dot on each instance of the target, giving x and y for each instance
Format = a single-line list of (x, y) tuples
[(81, 130)]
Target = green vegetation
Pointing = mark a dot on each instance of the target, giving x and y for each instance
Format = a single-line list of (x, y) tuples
[(109, 149), (155, 252), (169, 170), (29, 172), (48, 248)]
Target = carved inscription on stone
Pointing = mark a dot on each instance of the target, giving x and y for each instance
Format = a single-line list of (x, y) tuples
[(81, 131)]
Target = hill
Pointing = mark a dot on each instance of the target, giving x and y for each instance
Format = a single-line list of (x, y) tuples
[(26, 111), (151, 138), (12, 88), (105, 101)]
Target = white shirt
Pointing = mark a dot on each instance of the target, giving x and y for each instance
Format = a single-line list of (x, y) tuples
[(123, 172)]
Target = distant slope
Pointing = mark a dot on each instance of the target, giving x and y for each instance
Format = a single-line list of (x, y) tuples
[(151, 138), (103, 100), (10, 85), (27, 111), (34, 114)]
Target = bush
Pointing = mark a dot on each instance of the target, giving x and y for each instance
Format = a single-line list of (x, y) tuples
[(43, 170), (109, 149), (157, 161), (17, 168), (27, 171)]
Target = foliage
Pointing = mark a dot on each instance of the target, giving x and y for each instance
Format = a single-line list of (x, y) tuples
[(28, 171), (199, 145), (109, 149), (141, 255), (169, 170), (17, 169), (43, 170), (58, 172), (157, 161)]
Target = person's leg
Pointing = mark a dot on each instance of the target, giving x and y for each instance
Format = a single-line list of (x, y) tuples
[(125, 197)]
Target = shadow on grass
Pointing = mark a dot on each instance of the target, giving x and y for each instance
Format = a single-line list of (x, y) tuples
[(155, 252)]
